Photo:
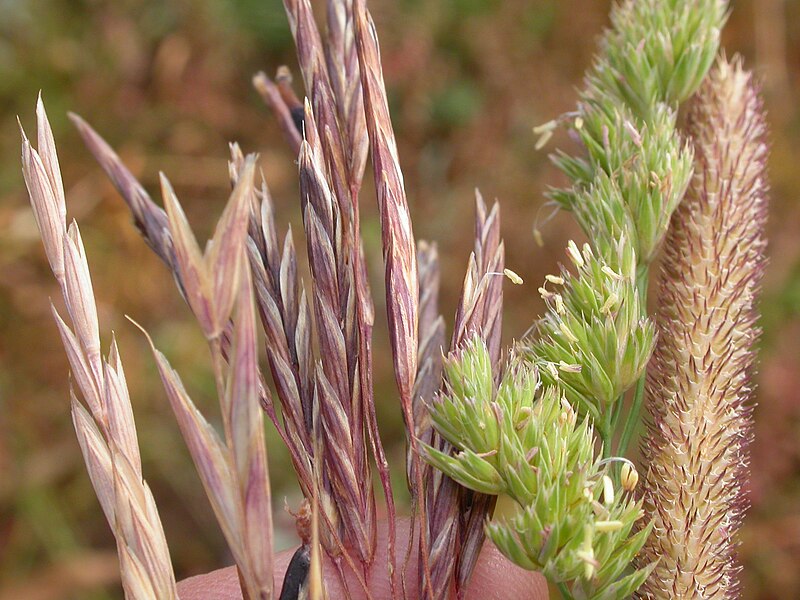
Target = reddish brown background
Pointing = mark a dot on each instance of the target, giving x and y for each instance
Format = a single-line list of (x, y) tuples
[(168, 83)]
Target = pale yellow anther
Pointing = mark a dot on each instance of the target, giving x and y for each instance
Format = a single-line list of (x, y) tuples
[(575, 254), (567, 333), (606, 526), (608, 490), (586, 553), (568, 368), (560, 309), (515, 279), (610, 304), (611, 273), (629, 477), (551, 367), (545, 132)]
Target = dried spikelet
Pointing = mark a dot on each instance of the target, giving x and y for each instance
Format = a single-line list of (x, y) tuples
[(247, 444), (338, 380), (233, 470), (399, 251), (211, 278), (456, 516), (327, 392), (317, 82), (431, 338), (150, 219), (331, 167), (700, 384), (346, 82), (106, 432), (282, 111), (286, 320), (398, 238), (441, 523)]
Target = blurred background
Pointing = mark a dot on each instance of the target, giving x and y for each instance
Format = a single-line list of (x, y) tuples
[(167, 82)]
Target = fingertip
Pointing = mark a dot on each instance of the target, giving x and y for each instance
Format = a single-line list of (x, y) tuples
[(494, 578), (222, 584), (497, 578)]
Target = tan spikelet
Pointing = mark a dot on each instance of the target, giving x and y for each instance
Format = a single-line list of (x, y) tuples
[(106, 431), (699, 384)]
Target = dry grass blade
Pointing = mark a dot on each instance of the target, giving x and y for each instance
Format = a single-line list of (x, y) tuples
[(700, 380), (106, 432)]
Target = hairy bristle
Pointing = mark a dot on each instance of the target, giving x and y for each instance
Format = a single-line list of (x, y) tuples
[(700, 379)]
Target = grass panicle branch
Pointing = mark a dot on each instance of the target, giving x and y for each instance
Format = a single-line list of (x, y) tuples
[(232, 468), (522, 439), (626, 184)]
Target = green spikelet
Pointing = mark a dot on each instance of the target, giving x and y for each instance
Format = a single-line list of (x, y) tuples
[(525, 440)]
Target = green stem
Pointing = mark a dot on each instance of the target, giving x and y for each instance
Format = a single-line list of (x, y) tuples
[(619, 405), (564, 590), (607, 432), (642, 279), (632, 419)]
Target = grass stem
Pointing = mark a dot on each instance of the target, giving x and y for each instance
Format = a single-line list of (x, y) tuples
[(564, 591), (632, 419)]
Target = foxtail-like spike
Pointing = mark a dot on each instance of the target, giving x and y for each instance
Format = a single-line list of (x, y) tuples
[(699, 383)]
